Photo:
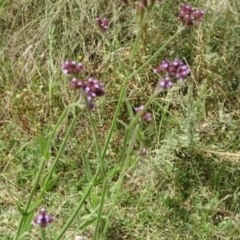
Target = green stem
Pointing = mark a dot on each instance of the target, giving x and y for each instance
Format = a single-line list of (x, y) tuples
[(135, 120), (180, 29), (33, 190), (127, 78), (42, 233), (125, 143), (60, 120), (136, 43), (41, 168), (133, 123), (75, 212), (95, 136), (62, 147), (121, 179), (99, 217)]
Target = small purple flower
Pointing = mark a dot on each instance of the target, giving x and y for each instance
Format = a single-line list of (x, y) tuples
[(146, 116), (189, 15), (163, 67), (43, 219), (92, 88), (77, 84), (138, 109), (103, 23), (143, 152), (176, 69), (165, 83), (71, 67)]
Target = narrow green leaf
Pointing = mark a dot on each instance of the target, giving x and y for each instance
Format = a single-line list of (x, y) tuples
[(87, 166), (42, 144), (20, 209), (87, 223), (34, 205), (50, 184), (98, 181), (25, 226)]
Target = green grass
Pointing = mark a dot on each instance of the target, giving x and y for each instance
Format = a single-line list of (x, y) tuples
[(187, 185)]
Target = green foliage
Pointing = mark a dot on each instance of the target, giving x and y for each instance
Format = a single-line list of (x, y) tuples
[(85, 166)]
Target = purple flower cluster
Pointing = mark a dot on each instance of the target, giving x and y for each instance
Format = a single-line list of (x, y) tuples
[(165, 83), (43, 219), (103, 23), (175, 69), (189, 15), (71, 67), (146, 116), (92, 87)]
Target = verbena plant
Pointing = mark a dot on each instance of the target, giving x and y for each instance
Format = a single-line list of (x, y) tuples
[(169, 71)]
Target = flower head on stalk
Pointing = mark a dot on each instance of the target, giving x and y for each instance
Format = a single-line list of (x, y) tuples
[(165, 83), (146, 116), (103, 23), (92, 88), (172, 71), (71, 67), (189, 15), (175, 69), (43, 219)]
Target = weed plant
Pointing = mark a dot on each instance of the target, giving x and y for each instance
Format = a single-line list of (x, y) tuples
[(120, 119)]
